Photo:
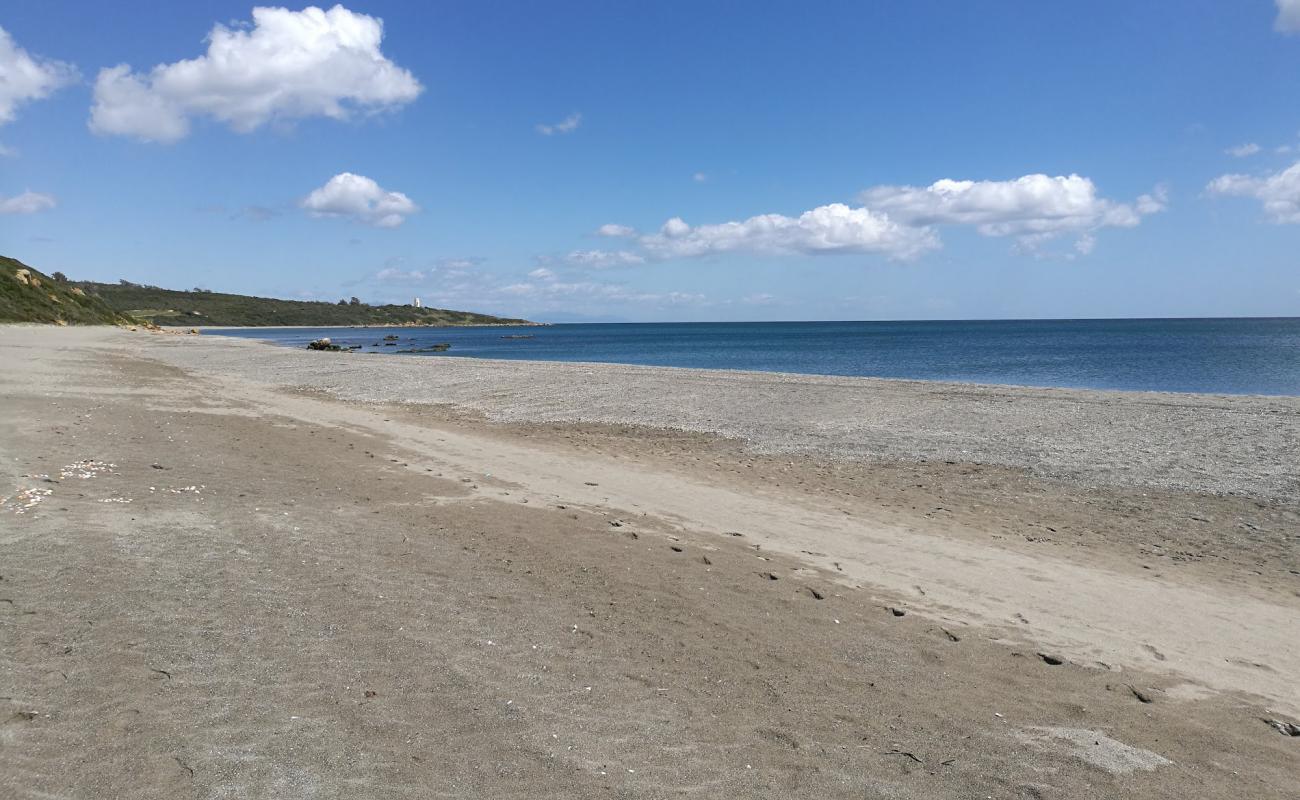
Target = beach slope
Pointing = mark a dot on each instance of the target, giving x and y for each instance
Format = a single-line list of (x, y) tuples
[(236, 570)]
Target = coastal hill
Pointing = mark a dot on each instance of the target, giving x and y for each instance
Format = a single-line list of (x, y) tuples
[(202, 307), (28, 295)]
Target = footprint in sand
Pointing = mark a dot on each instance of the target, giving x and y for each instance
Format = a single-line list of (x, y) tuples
[(1156, 654), (1241, 662)]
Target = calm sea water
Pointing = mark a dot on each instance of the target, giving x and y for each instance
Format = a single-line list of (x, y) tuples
[(1236, 356)]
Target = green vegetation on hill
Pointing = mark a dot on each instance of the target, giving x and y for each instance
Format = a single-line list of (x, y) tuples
[(201, 307), (27, 295)]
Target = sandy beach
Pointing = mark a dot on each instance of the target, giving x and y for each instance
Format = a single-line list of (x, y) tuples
[(229, 569)]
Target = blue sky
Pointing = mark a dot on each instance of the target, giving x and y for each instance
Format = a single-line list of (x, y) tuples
[(759, 161)]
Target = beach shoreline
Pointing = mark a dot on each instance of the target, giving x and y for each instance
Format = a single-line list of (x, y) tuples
[(356, 327), (1219, 357), (1173, 440), (734, 371), (838, 586)]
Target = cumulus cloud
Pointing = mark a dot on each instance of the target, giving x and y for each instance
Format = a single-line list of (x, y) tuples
[(26, 203), (24, 77), (1154, 203), (360, 199), (1033, 208), (1288, 16), (604, 259), (568, 125), (1279, 193), (830, 229), (902, 222), (615, 231), (1243, 150), (288, 65)]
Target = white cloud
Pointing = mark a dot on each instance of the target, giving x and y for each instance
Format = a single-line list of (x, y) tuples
[(452, 265), (26, 203), (395, 275), (676, 227), (604, 259), (613, 230), (1243, 150), (288, 65), (441, 272), (7, 152), (699, 177), (1154, 203), (830, 229), (902, 222), (24, 77), (1288, 16), (1279, 193), (550, 291), (1034, 208), (568, 125), (361, 199), (463, 283)]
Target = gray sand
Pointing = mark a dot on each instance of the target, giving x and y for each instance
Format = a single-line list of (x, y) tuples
[(1209, 443), (211, 588)]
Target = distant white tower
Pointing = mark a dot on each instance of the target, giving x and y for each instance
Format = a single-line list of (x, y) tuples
[(415, 301)]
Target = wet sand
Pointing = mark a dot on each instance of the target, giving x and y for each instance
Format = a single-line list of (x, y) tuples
[(247, 571)]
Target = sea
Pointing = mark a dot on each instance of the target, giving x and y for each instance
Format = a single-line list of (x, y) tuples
[(1229, 356)]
